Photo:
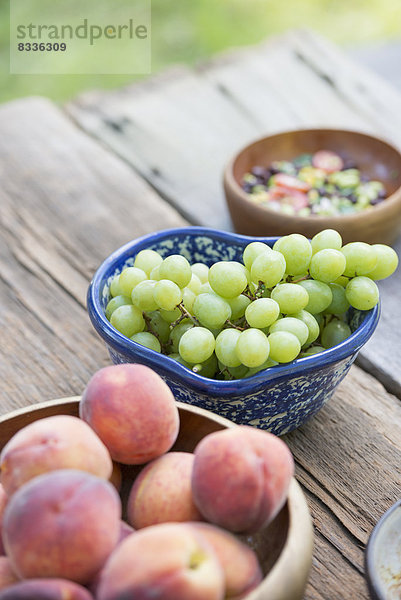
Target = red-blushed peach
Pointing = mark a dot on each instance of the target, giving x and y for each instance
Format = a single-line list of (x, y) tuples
[(125, 531), (162, 492), (240, 564), (7, 575), (46, 589), (59, 442), (170, 561), (62, 524), (133, 412), (116, 476), (240, 477), (3, 502)]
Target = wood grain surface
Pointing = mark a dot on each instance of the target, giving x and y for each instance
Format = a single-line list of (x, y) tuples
[(67, 200), (65, 204)]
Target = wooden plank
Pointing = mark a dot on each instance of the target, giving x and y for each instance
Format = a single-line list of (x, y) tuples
[(347, 459), (171, 131), (65, 204)]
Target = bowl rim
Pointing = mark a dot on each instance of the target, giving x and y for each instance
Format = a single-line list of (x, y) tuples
[(370, 569), (231, 182), (120, 343)]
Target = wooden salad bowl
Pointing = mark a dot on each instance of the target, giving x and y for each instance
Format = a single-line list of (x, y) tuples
[(284, 547), (374, 157)]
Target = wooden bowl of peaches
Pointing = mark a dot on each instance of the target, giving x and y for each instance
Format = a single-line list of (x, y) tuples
[(125, 493)]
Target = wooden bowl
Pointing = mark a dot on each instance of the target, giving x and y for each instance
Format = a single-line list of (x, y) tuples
[(284, 547), (374, 157)]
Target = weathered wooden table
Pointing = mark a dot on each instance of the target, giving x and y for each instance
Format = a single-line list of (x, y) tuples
[(78, 182)]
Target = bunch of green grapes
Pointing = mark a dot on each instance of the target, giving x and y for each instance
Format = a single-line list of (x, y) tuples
[(234, 319)]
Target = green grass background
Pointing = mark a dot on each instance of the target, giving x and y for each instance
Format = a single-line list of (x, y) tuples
[(188, 31)]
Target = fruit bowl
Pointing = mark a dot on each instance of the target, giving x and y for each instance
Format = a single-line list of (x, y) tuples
[(279, 399), (284, 547), (375, 158)]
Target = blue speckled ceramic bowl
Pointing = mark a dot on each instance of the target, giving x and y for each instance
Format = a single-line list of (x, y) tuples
[(279, 399), (383, 556)]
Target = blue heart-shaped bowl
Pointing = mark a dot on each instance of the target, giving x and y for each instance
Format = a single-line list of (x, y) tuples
[(278, 399)]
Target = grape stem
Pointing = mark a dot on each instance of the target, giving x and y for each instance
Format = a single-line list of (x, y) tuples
[(225, 370), (300, 279), (185, 315), (231, 324), (150, 328)]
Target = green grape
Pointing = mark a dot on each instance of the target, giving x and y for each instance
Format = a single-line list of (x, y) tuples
[(327, 265), (195, 284), (268, 267), (128, 320), (229, 373), (313, 350), (176, 268), (252, 348), (362, 293), (177, 332), (311, 323), (170, 315), (328, 238), (147, 260), (339, 304), (115, 303), (130, 278), (320, 295), (155, 273), (262, 312), (291, 297), (167, 294), (157, 325), (115, 289), (211, 310), (148, 340), (206, 289), (284, 346), (266, 365), (343, 281), (387, 262), (207, 368), (226, 343), (293, 325), (201, 271), (334, 333), (188, 299), (238, 306), (227, 278), (142, 295), (180, 360), (253, 250), (297, 252), (196, 345), (361, 259)]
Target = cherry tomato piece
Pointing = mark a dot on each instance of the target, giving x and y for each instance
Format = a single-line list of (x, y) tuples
[(290, 182), (327, 161)]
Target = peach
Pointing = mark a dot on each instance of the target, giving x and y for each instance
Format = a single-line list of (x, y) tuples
[(62, 524), (240, 477), (46, 589), (59, 442), (170, 561), (242, 572), (7, 575), (133, 412), (125, 531), (116, 476), (3, 502), (162, 492)]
